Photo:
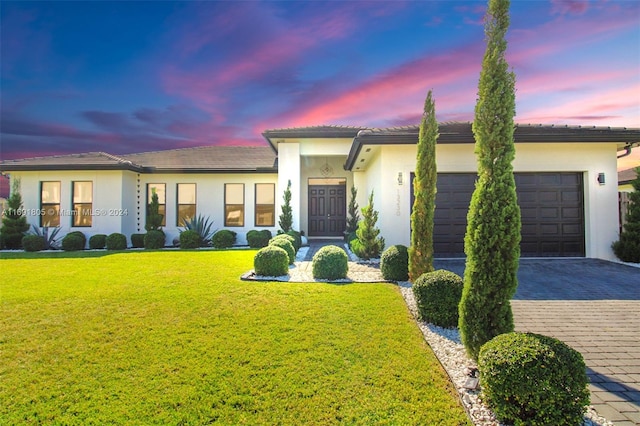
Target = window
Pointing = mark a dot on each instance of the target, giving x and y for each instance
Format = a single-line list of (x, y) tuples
[(82, 203), (186, 202), (234, 204), (265, 204), (159, 189), (50, 203)]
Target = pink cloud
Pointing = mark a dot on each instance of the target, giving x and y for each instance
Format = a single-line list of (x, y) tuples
[(572, 7)]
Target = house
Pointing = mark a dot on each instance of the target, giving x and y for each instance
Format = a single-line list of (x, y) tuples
[(565, 179)]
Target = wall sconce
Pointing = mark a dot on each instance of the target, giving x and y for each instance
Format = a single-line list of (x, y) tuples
[(601, 178), (399, 178)]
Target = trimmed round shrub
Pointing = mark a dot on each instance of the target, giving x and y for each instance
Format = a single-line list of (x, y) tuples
[(224, 238), (271, 261), (154, 240), (81, 235), (438, 295), (258, 239), (330, 263), (286, 246), (531, 379), (72, 242), (97, 241), (190, 239), (394, 263), (297, 239), (137, 240), (286, 237), (33, 242), (116, 241)]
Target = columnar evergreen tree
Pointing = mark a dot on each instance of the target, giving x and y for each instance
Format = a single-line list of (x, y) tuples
[(286, 218), (369, 244), (492, 241), (628, 247), (424, 189), (154, 218), (352, 212), (14, 222)]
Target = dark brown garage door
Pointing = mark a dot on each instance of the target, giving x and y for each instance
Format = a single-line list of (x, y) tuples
[(551, 206)]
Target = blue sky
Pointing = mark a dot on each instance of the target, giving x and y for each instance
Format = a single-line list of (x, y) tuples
[(126, 77)]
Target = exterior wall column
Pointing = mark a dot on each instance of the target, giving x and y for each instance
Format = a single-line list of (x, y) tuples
[(289, 170)]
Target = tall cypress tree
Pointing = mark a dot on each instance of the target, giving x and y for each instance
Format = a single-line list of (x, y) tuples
[(14, 221), (353, 216), (424, 189), (492, 241), (286, 218)]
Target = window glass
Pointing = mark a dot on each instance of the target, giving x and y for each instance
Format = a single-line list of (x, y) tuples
[(50, 203), (265, 204), (160, 189), (234, 204), (186, 202), (82, 203)]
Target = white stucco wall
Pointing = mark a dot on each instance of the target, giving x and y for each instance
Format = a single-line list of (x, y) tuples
[(289, 170), (601, 206)]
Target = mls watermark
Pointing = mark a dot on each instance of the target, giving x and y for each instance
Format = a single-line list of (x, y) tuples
[(66, 212)]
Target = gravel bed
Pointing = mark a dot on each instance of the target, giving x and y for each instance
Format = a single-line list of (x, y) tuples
[(446, 344)]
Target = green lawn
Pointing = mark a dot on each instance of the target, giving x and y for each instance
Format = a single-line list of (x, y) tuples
[(175, 337)]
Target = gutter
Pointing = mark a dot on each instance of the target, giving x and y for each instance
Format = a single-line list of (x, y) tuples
[(627, 150)]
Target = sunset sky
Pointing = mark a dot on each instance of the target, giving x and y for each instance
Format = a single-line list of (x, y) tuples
[(126, 77)]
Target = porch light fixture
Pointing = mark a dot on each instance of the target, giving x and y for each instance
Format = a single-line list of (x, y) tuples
[(399, 178), (601, 178)]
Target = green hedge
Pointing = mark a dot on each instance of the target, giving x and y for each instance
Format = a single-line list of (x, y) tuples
[(258, 239), (97, 241), (438, 295), (137, 240), (394, 263), (330, 263), (33, 242), (73, 242), (116, 241), (271, 261), (286, 246), (224, 239), (530, 379), (154, 240), (190, 240)]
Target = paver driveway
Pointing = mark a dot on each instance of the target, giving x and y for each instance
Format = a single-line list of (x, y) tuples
[(593, 306)]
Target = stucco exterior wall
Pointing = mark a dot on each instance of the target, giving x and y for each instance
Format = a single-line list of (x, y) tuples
[(601, 205)]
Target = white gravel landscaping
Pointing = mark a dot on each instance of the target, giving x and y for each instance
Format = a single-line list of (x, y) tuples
[(446, 344)]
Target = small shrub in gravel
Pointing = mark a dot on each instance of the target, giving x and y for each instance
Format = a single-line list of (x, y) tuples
[(154, 240), (286, 237), (330, 263), (286, 246), (137, 240), (271, 261), (297, 239), (33, 243), (258, 239), (438, 295), (189, 240), (73, 242), (530, 379), (224, 238), (97, 241), (394, 263), (116, 241)]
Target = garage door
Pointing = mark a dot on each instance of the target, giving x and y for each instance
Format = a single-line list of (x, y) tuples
[(551, 206)]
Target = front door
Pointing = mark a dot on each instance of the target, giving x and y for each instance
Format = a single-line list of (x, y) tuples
[(327, 210)]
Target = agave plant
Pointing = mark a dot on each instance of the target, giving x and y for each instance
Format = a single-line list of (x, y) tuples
[(50, 240), (201, 225)]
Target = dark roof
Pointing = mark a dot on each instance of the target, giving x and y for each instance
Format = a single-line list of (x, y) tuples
[(461, 133), (626, 176), (206, 159), (324, 131)]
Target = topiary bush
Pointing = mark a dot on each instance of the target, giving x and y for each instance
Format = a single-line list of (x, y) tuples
[(286, 246), (81, 235), (154, 240), (394, 263), (438, 295), (190, 240), (258, 239), (297, 239), (330, 263), (33, 242), (530, 379), (286, 237), (224, 238), (116, 241), (271, 261), (73, 242), (137, 240), (97, 241)]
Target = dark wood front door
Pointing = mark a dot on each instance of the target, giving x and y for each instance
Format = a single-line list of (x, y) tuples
[(327, 210)]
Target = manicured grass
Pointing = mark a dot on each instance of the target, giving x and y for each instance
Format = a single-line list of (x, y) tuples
[(176, 338)]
